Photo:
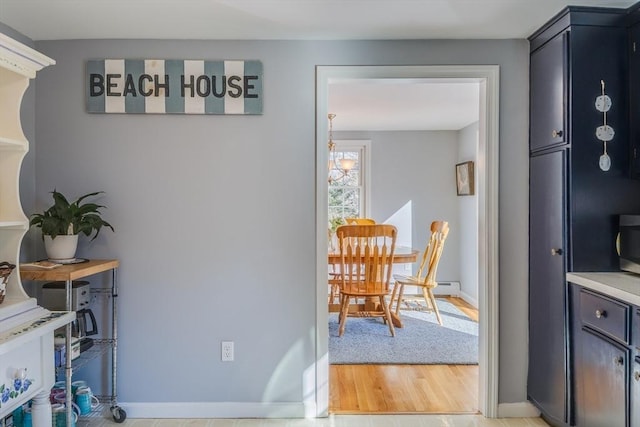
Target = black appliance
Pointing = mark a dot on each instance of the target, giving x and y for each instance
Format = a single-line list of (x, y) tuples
[(84, 325), (629, 243)]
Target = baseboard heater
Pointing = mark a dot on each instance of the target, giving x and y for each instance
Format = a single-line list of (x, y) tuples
[(443, 288)]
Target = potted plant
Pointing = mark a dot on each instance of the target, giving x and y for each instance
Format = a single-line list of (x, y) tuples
[(64, 221)]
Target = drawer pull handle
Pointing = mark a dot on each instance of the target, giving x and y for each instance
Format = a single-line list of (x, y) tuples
[(619, 361), (555, 251), (601, 313), (636, 376), (556, 134)]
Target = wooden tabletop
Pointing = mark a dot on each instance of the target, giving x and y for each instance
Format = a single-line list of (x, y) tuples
[(402, 255), (69, 271)]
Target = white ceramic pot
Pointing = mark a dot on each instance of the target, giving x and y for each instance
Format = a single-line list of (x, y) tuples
[(62, 247)]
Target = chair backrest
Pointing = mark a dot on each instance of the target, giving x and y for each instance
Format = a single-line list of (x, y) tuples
[(366, 257), (433, 252), (360, 221)]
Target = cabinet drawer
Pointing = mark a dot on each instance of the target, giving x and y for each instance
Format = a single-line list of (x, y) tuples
[(605, 315), (27, 358)]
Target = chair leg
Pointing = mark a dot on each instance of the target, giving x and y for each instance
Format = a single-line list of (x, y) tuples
[(393, 295), (335, 294), (432, 299), (387, 315), (398, 300), (428, 307), (344, 309)]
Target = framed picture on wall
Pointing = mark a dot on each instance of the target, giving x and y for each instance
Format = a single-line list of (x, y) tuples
[(464, 179)]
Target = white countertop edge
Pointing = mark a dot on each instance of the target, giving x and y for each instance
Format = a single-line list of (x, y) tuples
[(620, 285), (48, 327)]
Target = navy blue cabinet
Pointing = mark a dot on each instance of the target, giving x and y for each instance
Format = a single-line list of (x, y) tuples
[(548, 93), (547, 243), (634, 107), (601, 374), (635, 373), (574, 205), (602, 359), (635, 393)]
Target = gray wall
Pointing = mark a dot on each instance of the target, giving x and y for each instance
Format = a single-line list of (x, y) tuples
[(468, 217), (215, 215)]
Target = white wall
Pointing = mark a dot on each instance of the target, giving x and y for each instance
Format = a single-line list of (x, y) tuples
[(210, 208), (468, 219)]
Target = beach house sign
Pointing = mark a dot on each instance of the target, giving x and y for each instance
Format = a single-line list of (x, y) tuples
[(168, 86)]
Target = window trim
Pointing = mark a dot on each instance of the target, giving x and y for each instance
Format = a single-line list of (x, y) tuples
[(364, 146)]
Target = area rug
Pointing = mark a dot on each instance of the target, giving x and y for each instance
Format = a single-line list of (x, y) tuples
[(420, 342)]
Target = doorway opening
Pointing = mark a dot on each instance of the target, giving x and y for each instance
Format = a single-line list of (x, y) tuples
[(487, 185)]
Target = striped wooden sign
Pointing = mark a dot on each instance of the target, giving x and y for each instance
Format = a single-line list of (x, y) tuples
[(164, 86)]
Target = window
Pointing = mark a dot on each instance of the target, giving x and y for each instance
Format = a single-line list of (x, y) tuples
[(348, 193)]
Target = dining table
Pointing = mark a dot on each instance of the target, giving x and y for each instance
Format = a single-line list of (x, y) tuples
[(401, 255)]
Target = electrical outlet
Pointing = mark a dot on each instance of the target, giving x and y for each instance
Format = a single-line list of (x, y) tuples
[(227, 351)]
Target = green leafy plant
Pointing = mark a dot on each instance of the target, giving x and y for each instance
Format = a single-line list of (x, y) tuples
[(335, 222), (64, 218)]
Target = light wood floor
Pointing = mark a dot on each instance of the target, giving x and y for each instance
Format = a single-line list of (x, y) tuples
[(436, 389)]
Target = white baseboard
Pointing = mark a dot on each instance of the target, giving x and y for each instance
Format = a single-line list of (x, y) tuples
[(468, 298), (217, 410), (189, 410), (517, 410)]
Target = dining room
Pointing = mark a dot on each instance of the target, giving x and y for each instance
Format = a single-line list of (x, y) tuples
[(404, 151)]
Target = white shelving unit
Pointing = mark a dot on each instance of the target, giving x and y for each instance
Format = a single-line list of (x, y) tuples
[(26, 329)]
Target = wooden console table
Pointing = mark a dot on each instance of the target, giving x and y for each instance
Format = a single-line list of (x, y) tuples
[(69, 272)]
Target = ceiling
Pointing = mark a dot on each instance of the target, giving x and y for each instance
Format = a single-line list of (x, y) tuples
[(395, 105), (403, 104), (283, 19)]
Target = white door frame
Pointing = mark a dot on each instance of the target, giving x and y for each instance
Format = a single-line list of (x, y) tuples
[(487, 169)]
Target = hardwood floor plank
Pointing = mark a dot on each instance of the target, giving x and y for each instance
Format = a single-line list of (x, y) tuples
[(416, 388), (386, 389)]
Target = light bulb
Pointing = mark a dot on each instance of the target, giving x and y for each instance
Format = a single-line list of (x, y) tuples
[(347, 164)]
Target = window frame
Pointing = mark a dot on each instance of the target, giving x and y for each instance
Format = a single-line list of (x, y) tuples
[(364, 147)]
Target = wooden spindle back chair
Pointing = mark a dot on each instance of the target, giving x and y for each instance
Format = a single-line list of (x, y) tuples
[(426, 275), (366, 261), (334, 272)]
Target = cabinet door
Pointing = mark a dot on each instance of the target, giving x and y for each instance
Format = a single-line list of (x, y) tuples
[(635, 393), (601, 371), (635, 373), (547, 378), (548, 90)]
